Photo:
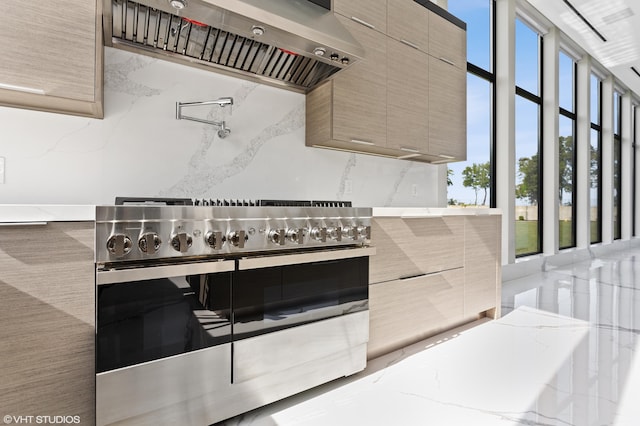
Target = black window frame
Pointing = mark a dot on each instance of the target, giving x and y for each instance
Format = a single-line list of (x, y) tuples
[(598, 128), (617, 169), (573, 116), (538, 100)]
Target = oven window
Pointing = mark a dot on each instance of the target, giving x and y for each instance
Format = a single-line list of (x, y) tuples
[(151, 319), (269, 299)]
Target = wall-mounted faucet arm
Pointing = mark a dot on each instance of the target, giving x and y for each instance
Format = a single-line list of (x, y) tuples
[(223, 131)]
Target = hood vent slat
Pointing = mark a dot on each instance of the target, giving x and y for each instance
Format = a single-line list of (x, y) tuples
[(162, 33)]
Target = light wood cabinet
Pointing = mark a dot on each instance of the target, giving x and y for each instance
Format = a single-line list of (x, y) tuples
[(408, 99), (408, 22), (359, 111), (52, 56), (406, 247), (431, 274), (405, 311), (447, 110), (350, 112), (390, 104), (482, 265), (447, 42), (47, 312), (372, 13)]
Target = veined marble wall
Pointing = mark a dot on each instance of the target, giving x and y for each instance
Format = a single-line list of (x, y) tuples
[(140, 149)]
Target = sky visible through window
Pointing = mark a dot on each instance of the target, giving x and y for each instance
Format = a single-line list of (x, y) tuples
[(477, 15)]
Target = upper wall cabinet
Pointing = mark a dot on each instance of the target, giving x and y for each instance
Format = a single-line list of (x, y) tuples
[(447, 42), (408, 22), (447, 109), (370, 13), (359, 113), (407, 98), (52, 56)]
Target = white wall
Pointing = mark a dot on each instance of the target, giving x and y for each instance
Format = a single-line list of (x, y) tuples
[(140, 149)]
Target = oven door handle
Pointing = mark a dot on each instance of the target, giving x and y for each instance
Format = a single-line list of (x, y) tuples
[(292, 259), (113, 276)]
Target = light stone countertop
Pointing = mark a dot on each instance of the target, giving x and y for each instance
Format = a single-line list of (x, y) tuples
[(27, 213), (30, 213), (412, 212)]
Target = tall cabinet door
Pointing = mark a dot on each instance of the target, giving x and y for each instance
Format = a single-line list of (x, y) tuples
[(360, 94), (447, 110), (407, 95)]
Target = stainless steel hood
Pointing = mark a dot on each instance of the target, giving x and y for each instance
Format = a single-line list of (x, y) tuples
[(294, 44)]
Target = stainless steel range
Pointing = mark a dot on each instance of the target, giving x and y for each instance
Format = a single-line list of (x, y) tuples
[(212, 308)]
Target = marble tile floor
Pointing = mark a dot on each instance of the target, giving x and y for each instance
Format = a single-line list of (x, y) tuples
[(565, 352)]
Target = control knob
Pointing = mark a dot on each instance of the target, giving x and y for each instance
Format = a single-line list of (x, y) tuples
[(296, 235), (119, 244), (277, 236), (215, 239), (350, 232), (319, 234), (335, 233), (364, 232), (149, 242), (237, 238), (181, 242)]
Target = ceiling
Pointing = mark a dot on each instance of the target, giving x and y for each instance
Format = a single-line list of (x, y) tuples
[(618, 21)]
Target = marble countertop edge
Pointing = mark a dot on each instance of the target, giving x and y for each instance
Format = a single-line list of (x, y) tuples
[(29, 213), (32, 213), (417, 212)]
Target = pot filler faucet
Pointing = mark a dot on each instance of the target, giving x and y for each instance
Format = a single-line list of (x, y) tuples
[(223, 131)]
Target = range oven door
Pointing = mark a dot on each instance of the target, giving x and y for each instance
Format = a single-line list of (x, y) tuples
[(154, 313), (158, 330)]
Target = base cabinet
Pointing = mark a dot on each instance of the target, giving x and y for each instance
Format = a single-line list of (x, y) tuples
[(431, 274), (409, 247), (47, 311), (482, 265), (404, 311)]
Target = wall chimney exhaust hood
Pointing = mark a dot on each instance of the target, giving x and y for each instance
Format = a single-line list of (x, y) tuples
[(294, 44)]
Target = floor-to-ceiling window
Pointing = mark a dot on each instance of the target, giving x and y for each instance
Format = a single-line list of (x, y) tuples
[(567, 71), (595, 166), (617, 165), (470, 182), (634, 144), (528, 235)]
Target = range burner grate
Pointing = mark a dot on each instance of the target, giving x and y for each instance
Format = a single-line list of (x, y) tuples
[(271, 203), (227, 202)]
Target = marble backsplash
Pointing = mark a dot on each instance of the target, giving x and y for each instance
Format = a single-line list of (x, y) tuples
[(140, 149)]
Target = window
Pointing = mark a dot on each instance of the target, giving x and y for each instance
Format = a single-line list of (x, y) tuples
[(567, 152), (477, 14), (617, 165), (595, 167), (528, 235), (470, 182), (634, 133)]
